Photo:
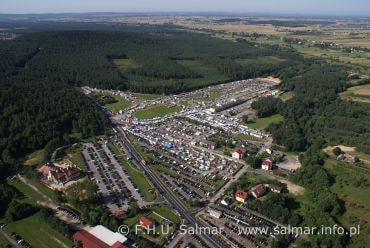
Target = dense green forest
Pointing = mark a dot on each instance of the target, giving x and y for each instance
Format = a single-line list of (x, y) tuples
[(155, 62)]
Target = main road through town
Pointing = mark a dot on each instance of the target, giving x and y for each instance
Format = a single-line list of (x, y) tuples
[(166, 191), (156, 181)]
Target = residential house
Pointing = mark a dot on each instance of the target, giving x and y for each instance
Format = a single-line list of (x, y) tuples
[(241, 196)]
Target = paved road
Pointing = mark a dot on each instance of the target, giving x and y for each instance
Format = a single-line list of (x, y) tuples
[(228, 184), (164, 190)]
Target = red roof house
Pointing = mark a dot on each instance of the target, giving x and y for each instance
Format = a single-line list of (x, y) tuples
[(60, 175), (241, 196), (267, 165), (119, 213), (146, 222), (258, 190), (238, 154)]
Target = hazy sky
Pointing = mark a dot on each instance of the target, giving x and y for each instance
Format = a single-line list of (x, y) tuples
[(336, 7)]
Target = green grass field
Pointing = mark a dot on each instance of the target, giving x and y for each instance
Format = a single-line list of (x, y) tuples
[(351, 186), (158, 110), (146, 97), (167, 213), (286, 95), (125, 64), (358, 93), (160, 223), (39, 234), (35, 158), (262, 123), (121, 104), (29, 195), (137, 176), (75, 156), (3, 241)]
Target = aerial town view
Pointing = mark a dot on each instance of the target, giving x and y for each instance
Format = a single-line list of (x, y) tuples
[(178, 124)]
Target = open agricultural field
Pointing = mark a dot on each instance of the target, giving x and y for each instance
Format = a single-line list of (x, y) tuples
[(358, 93), (158, 110), (359, 61), (39, 234)]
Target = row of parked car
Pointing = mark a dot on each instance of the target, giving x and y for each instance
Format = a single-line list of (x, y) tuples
[(20, 241)]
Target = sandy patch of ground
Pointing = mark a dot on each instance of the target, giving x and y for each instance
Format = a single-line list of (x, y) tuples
[(329, 149), (272, 79), (293, 188), (291, 163)]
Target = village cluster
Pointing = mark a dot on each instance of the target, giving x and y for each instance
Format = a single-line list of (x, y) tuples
[(190, 154)]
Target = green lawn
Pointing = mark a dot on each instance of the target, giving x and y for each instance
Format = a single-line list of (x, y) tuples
[(125, 64), (75, 156), (286, 95), (164, 211), (39, 234), (121, 104), (29, 195), (35, 158), (167, 213), (351, 186), (3, 241), (158, 110), (137, 176), (262, 123), (146, 96)]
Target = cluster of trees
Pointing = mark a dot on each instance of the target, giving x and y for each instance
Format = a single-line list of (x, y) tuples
[(17, 211), (316, 115), (83, 197), (61, 227), (267, 106), (277, 207)]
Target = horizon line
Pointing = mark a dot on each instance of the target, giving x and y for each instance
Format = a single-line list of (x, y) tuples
[(192, 12)]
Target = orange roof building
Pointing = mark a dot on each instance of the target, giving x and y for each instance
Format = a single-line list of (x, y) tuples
[(241, 196)]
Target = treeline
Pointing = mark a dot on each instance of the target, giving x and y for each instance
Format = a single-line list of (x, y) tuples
[(83, 197), (267, 106)]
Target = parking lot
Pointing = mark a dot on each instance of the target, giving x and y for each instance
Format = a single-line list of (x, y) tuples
[(115, 185)]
